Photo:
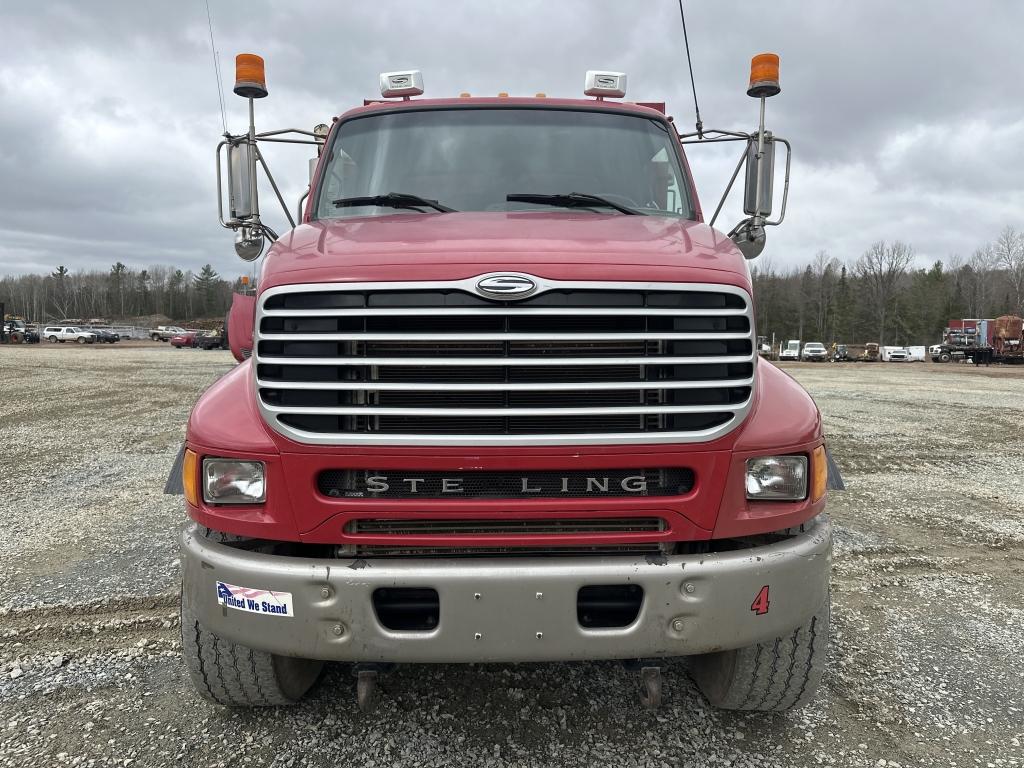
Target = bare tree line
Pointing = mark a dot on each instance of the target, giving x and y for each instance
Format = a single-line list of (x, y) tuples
[(881, 297), (876, 297), (118, 294)]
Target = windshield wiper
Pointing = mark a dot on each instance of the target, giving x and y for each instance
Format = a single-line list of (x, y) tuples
[(392, 200), (573, 200)]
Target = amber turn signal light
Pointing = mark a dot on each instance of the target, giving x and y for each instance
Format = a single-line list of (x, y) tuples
[(764, 75), (250, 77), (819, 474), (190, 477)]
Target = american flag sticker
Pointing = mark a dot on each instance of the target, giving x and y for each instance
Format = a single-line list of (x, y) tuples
[(264, 601)]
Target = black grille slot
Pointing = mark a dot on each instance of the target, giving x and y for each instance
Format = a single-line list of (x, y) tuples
[(463, 527), (608, 605), (447, 366), (597, 483)]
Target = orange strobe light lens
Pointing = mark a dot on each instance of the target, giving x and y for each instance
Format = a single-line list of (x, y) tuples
[(190, 477), (250, 77), (764, 75), (819, 473)]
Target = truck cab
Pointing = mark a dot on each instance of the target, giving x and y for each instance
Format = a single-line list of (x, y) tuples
[(791, 351), (503, 404)]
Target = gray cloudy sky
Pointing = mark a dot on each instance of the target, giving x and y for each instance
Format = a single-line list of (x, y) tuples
[(907, 118)]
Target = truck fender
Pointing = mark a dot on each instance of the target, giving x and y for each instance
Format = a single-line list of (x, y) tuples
[(241, 323)]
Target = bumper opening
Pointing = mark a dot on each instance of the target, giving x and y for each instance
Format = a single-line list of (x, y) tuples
[(409, 609), (606, 606)]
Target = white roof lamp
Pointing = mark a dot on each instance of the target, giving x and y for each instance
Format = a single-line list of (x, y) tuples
[(605, 84), (404, 84)]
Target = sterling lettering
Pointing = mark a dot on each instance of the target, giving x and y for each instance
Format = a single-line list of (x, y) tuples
[(526, 485)]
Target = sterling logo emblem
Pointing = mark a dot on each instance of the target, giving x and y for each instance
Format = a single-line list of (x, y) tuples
[(506, 287)]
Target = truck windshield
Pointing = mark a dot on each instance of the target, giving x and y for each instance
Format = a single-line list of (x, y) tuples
[(472, 159)]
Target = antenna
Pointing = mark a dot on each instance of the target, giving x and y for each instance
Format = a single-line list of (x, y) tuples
[(689, 63), (216, 69)]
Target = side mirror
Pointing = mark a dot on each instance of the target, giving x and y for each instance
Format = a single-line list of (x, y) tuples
[(240, 181), (767, 178)]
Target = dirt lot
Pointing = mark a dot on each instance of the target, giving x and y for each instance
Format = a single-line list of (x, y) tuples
[(928, 632)]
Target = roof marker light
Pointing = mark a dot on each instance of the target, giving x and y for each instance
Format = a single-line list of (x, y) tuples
[(406, 84), (602, 84)]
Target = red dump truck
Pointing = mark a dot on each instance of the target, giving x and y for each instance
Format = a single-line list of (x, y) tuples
[(499, 400)]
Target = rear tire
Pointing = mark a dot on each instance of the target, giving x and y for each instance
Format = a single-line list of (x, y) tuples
[(81, 339), (945, 357), (234, 675), (53, 339), (772, 676)]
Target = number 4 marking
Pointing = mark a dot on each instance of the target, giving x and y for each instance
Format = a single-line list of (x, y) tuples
[(760, 604)]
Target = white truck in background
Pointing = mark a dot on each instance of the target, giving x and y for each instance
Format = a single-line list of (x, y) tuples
[(791, 351)]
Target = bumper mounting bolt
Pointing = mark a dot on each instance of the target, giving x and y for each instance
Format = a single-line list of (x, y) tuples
[(325, 593), (540, 595), (540, 635), (476, 595), (689, 587), (477, 636), (678, 625), (339, 629)]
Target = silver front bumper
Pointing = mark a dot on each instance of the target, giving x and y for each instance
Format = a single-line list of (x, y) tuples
[(512, 609)]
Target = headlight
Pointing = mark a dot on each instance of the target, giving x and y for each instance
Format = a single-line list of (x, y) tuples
[(777, 478), (228, 481)]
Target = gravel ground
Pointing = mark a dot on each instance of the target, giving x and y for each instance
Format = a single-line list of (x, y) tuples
[(928, 624)]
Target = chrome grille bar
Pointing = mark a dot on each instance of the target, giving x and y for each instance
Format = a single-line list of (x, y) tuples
[(555, 386), (502, 361), (500, 310), (436, 337), (681, 369), (367, 410)]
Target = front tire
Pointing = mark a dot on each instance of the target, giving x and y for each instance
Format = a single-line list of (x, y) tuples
[(234, 675), (772, 676)]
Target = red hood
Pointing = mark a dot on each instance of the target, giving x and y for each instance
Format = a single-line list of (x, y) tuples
[(559, 245)]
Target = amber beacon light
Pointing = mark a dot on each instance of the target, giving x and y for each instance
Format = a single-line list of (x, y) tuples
[(250, 77), (764, 76)]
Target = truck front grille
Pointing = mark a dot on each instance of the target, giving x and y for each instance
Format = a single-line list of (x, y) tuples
[(570, 484), (435, 364)]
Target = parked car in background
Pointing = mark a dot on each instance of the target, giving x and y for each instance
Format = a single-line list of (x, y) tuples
[(184, 339), (165, 332), (105, 335), (62, 333), (791, 351), (814, 351), (839, 353)]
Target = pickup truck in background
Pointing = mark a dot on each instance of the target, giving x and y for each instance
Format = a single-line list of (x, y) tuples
[(814, 351), (62, 333), (165, 332)]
